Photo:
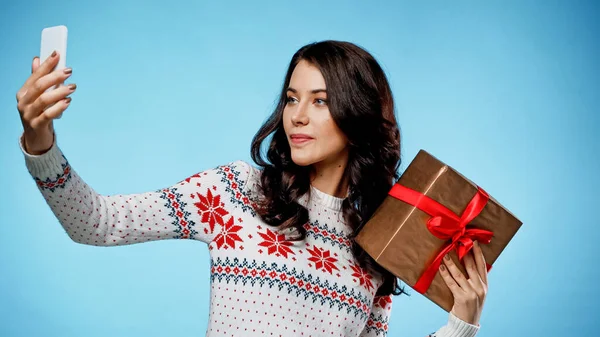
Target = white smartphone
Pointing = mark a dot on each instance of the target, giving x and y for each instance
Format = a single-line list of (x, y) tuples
[(54, 38)]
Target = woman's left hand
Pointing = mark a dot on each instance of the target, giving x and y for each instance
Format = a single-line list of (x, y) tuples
[(469, 293)]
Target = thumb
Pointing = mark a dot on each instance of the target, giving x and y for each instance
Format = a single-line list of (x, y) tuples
[(35, 64)]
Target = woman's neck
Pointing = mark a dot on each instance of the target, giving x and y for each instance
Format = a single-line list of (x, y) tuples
[(330, 178)]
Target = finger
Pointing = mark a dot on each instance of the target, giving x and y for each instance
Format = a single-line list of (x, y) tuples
[(450, 282), (47, 66), (470, 266), (51, 113), (35, 64), (457, 274), (480, 262), (37, 71), (51, 97), (42, 84), (474, 278)]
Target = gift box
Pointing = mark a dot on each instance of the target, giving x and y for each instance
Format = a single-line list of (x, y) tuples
[(433, 211)]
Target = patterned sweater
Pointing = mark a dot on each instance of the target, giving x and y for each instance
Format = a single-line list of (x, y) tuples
[(261, 283)]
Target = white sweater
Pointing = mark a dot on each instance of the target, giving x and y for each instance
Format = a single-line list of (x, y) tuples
[(261, 284)]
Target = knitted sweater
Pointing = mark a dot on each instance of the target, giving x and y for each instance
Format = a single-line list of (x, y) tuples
[(261, 283)]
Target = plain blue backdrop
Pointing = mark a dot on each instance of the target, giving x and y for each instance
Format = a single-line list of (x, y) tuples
[(504, 91)]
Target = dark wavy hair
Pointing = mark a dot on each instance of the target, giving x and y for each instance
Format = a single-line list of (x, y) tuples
[(361, 104)]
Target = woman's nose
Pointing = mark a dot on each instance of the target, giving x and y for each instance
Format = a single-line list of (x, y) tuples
[(300, 117)]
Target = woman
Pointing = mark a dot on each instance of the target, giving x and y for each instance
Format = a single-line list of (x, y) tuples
[(283, 258)]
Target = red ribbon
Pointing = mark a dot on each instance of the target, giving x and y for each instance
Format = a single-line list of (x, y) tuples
[(446, 225)]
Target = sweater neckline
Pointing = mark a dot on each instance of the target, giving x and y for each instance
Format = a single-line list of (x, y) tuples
[(325, 199)]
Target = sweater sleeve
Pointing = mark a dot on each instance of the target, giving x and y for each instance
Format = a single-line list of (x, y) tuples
[(456, 328), (197, 207), (378, 322)]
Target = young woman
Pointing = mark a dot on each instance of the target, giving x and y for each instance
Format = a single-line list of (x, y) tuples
[(280, 235)]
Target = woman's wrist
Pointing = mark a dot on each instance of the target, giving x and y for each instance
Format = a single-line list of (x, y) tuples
[(37, 143)]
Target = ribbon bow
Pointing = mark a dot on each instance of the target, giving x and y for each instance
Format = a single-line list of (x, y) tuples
[(446, 225)]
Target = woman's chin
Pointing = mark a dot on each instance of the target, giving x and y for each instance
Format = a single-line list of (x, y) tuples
[(302, 159)]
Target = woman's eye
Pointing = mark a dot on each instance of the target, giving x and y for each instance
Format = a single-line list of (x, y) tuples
[(321, 101), (290, 99)]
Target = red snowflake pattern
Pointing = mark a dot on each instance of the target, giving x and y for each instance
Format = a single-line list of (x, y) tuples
[(382, 301), (228, 235), (363, 277), (276, 243), (210, 208), (322, 259)]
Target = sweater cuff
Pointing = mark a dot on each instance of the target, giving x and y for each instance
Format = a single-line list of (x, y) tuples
[(459, 328), (46, 165)]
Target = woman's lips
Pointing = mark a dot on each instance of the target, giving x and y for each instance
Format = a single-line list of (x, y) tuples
[(299, 140)]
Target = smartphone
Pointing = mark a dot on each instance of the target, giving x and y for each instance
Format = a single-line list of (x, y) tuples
[(54, 38)]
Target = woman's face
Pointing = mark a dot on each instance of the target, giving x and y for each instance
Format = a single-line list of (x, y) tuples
[(311, 131)]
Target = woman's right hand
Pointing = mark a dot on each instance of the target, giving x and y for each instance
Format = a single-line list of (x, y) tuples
[(33, 102)]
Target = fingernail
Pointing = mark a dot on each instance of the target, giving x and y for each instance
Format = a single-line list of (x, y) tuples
[(68, 70), (442, 267), (53, 53), (446, 258), (72, 86), (68, 100)]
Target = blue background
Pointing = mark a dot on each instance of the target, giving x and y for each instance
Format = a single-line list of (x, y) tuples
[(504, 91)]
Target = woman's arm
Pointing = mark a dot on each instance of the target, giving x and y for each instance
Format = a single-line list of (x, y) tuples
[(377, 325), (194, 208)]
